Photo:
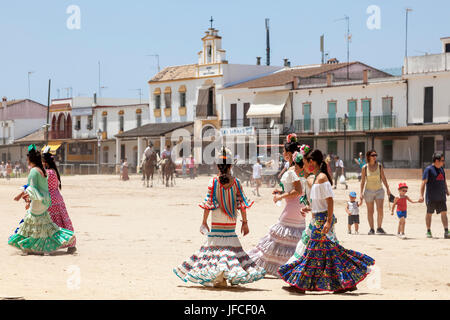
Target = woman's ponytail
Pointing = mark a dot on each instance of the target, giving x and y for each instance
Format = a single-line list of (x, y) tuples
[(324, 169), (48, 158)]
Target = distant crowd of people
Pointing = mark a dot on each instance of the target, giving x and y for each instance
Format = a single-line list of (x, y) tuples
[(8, 170)]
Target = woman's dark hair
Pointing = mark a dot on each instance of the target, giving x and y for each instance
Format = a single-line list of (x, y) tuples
[(437, 156), (301, 163), (292, 146), (317, 156), (224, 164), (368, 153), (48, 158), (34, 157)]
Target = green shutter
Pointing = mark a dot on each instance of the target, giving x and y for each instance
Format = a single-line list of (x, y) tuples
[(307, 117), (366, 114), (352, 115), (332, 116)]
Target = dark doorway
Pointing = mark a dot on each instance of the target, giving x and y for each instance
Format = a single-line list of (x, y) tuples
[(122, 152), (428, 149), (233, 115), (387, 151), (447, 47), (359, 147), (210, 107), (246, 120), (428, 105)]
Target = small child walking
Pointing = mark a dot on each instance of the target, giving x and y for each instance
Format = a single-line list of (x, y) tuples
[(401, 204), (352, 210)]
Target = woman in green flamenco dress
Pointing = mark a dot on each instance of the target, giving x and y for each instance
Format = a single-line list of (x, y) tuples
[(38, 233)]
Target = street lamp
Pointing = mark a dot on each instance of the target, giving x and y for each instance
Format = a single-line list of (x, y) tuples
[(99, 139), (345, 137)]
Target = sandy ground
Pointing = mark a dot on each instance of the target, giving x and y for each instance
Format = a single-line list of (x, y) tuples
[(130, 238)]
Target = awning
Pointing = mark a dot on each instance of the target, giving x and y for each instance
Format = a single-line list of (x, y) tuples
[(267, 105), (53, 147)]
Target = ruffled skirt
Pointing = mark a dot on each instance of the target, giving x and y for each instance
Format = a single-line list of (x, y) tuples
[(325, 265), (58, 214), (221, 257), (38, 234), (275, 249)]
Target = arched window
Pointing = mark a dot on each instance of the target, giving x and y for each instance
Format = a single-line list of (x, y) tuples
[(60, 125), (54, 130)]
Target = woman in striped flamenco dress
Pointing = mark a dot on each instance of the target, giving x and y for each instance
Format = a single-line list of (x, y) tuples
[(221, 259), (275, 249), (325, 265)]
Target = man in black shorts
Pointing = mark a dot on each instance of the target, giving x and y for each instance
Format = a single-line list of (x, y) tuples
[(437, 192)]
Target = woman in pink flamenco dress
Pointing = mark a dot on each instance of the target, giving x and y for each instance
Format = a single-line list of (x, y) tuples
[(57, 210)]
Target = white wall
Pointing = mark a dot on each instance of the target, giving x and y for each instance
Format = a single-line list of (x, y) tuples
[(113, 118), (441, 96)]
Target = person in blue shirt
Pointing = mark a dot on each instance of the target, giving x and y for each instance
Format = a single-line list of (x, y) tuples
[(437, 192)]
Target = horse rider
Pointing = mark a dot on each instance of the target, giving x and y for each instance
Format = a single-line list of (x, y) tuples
[(146, 155)]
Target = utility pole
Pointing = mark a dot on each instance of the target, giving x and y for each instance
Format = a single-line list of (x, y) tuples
[(139, 90), (48, 112), (407, 10), (267, 42), (99, 88), (157, 59), (322, 47), (348, 38)]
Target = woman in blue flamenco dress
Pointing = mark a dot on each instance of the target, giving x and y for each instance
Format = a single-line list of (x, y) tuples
[(221, 260), (37, 233), (325, 265)]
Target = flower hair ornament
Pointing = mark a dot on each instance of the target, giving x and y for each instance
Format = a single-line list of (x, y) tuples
[(291, 138), (297, 157), (32, 147), (304, 149)]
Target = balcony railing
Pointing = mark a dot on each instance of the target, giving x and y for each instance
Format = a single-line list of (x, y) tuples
[(264, 123), (213, 107), (304, 125), (358, 123), (235, 123)]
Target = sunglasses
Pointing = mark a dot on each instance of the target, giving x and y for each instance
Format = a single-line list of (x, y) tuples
[(374, 155)]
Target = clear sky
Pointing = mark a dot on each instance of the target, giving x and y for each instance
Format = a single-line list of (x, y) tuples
[(34, 37)]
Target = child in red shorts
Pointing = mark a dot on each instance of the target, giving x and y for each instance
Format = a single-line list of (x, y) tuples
[(401, 204)]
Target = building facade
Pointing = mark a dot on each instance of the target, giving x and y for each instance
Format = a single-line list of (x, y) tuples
[(18, 118)]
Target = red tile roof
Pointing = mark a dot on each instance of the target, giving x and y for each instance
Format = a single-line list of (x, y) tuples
[(281, 78)]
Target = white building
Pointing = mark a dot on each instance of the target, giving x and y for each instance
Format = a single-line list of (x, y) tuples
[(313, 101), (191, 93), (427, 108), (18, 118), (78, 123)]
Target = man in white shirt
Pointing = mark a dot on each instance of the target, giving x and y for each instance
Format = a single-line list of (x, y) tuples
[(257, 171), (339, 171)]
